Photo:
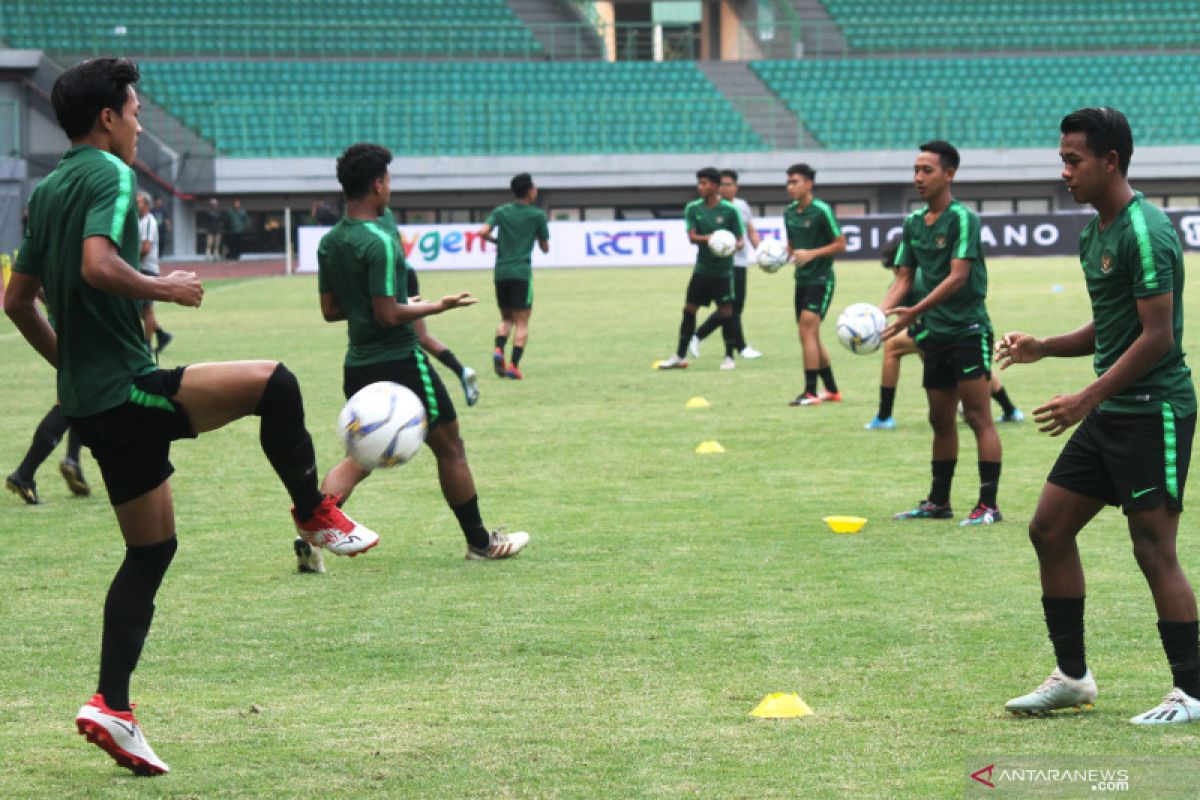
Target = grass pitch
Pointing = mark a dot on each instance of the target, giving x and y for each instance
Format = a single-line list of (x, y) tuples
[(663, 595)]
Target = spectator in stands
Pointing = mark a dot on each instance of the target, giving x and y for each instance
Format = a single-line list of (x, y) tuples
[(162, 215), (237, 222), (209, 224)]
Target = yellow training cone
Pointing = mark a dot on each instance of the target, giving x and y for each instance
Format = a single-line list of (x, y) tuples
[(696, 402), (781, 705), (709, 447)]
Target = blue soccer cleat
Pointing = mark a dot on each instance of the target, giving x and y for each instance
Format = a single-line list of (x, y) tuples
[(878, 424)]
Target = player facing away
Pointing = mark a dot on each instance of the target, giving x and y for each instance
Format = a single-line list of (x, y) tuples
[(903, 344), (741, 264), (521, 224), (712, 277), (941, 245), (82, 246), (813, 239), (1136, 420), (361, 275)]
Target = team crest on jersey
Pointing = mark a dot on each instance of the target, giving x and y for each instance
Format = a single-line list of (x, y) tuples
[(1106, 263), (720, 220), (807, 223), (941, 241)]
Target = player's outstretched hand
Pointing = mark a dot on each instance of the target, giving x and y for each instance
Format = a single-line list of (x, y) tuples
[(904, 319), (1019, 348), (458, 300), (1060, 413), (185, 288)]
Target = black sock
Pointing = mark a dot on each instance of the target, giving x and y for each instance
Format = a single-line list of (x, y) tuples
[(471, 523), (827, 379), (1064, 620), (810, 381), (887, 401), (518, 351), (686, 328), (1180, 641), (739, 335), (46, 437), (943, 476), (729, 334), (989, 482), (286, 442), (501, 341), (1006, 405), (709, 325), (73, 445), (452, 363), (128, 610)]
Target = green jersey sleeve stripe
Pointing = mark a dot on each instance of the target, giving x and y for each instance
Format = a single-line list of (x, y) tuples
[(1137, 218), (898, 261), (964, 232), (390, 249), (124, 198), (828, 212)]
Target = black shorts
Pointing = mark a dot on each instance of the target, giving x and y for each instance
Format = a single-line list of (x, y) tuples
[(414, 286), (705, 289), (815, 298), (949, 361), (132, 442), (514, 295), (1135, 461), (413, 372)]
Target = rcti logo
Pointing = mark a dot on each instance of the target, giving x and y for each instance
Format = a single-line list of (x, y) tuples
[(625, 243), (984, 776), (1191, 230)]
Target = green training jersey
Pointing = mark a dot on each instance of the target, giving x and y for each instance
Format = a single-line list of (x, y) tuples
[(703, 220), (101, 348), (928, 250), (519, 226), (809, 228), (356, 261), (1137, 255)]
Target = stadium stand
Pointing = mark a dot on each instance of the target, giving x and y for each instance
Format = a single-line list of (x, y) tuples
[(292, 107)]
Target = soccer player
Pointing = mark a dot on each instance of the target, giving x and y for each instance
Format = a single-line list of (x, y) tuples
[(741, 263), (157, 339), (1136, 420), (941, 246), (813, 239), (521, 223), (46, 437), (439, 349), (82, 247), (362, 280), (712, 277)]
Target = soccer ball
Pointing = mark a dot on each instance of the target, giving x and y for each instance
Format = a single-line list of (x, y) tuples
[(771, 255), (860, 327), (722, 243), (382, 425)]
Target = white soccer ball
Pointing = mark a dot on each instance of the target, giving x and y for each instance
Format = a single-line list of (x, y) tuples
[(382, 425), (722, 243), (860, 328), (771, 255)]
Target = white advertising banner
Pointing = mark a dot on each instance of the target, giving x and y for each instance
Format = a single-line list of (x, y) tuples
[(628, 243)]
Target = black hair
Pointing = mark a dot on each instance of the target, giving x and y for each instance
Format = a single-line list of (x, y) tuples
[(888, 256), (711, 174), (360, 166), (1106, 130), (521, 184), (947, 153), (805, 170), (729, 173), (89, 87)]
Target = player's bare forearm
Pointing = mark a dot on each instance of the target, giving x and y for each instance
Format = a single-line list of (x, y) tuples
[(104, 269), (899, 288), (697, 238), (1155, 341), (544, 244), (331, 310), (752, 235), (20, 304), (391, 314), (944, 290), (1079, 342)]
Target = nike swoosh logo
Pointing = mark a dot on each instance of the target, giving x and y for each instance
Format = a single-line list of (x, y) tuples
[(970, 369), (130, 729), (1136, 495)]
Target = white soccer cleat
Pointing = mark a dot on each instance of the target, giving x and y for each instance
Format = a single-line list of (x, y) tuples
[(750, 352), (694, 347), (118, 734), (330, 528), (728, 363), (1056, 692), (470, 384), (308, 558), (1178, 707), (500, 545), (674, 362)]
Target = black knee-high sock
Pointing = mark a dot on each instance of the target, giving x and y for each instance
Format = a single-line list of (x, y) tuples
[(1001, 397), (46, 437), (1180, 641), (73, 445), (827, 379), (452, 363), (501, 341), (518, 351), (471, 523), (1064, 621), (887, 401), (943, 477), (709, 325), (128, 610), (286, 442), (686, 328), (989, 482), (739, 335), (810, 381), (730, 335)]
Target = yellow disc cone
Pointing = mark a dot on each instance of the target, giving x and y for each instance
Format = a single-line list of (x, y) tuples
[(781, 705), (696, 402), (709, 447)]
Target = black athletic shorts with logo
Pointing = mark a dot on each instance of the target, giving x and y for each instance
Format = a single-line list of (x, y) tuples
[(815, 298), (413, 372), (514, 295), (1135, 461), (949, 361), (132, 442), (705, 289), (414, 286)]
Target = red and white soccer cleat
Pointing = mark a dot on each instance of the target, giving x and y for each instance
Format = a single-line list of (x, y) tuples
[(118, 734), (330, 528)]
